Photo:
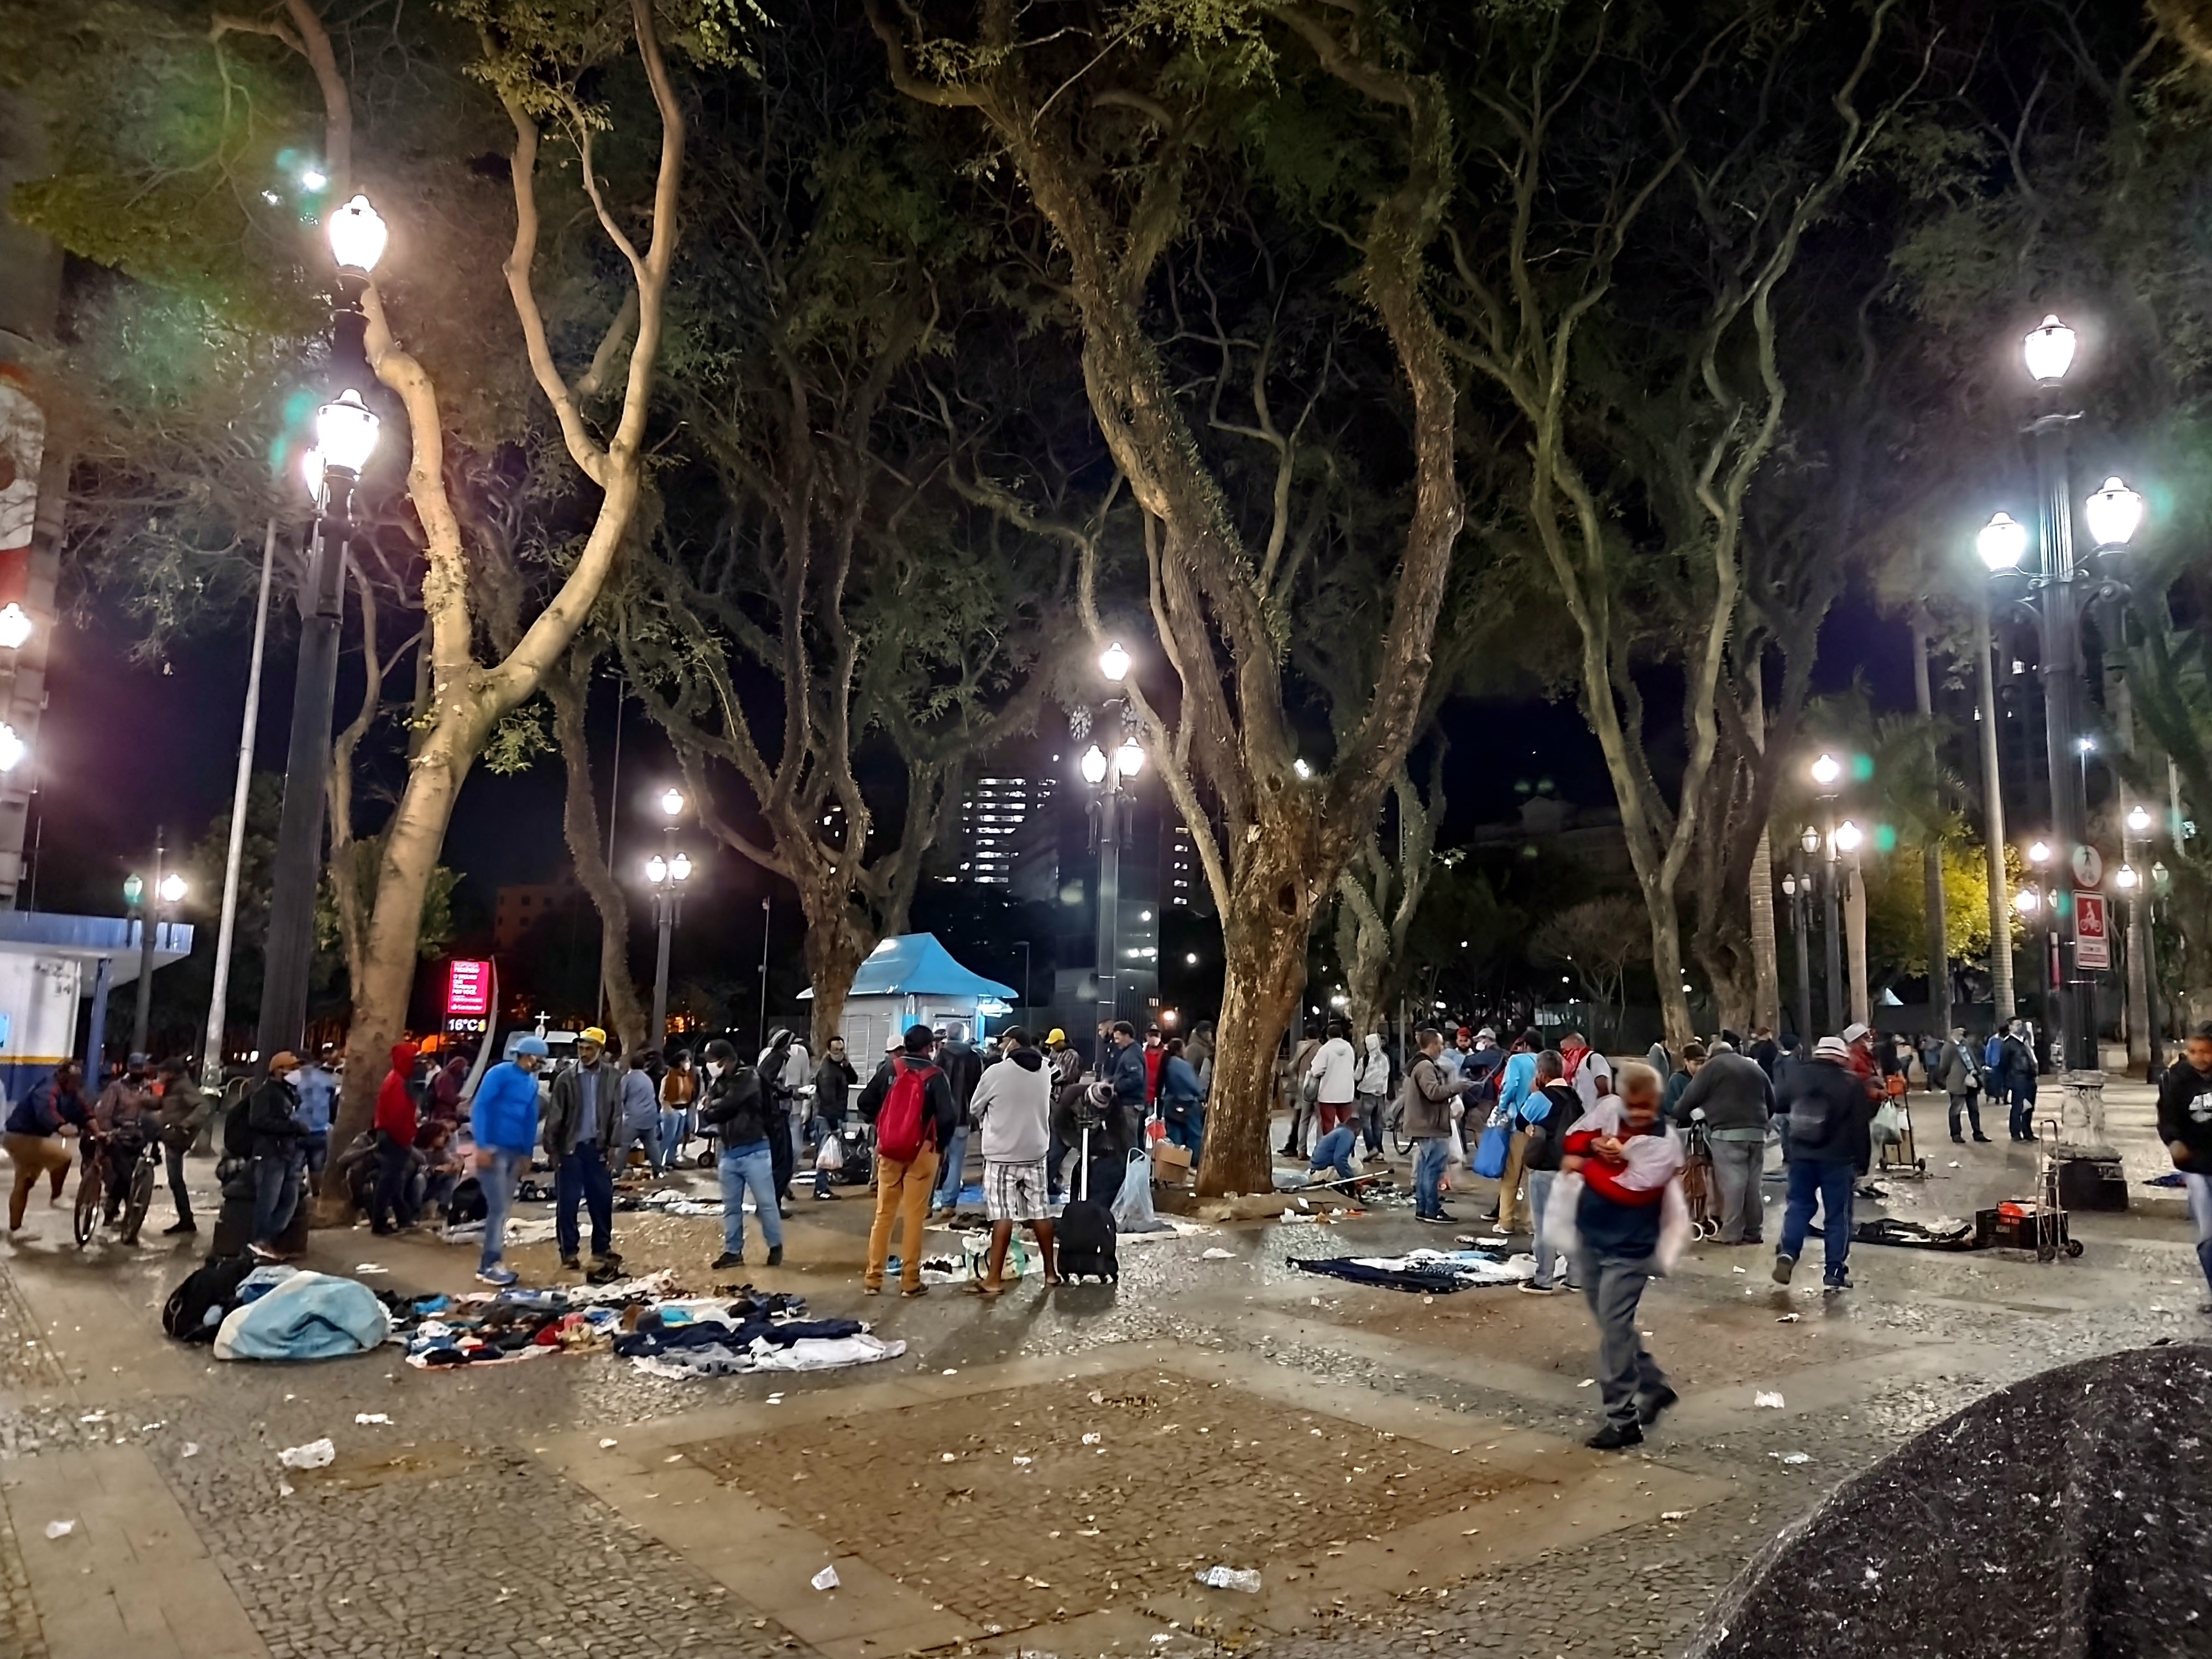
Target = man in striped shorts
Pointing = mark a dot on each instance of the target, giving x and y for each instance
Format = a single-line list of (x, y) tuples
[(1013, 1104)]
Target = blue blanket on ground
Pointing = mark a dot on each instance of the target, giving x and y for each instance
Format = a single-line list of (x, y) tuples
[(308, 1316)]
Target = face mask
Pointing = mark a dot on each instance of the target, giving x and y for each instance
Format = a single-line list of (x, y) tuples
[(714, 1068)]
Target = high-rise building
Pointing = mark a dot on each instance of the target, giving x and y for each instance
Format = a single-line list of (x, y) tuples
[(999, 808)]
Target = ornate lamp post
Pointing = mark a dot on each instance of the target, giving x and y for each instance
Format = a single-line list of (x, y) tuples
[(665, 872), (1827, 777)]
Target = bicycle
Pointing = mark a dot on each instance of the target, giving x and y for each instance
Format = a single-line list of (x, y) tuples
[(1399, 1138), (97, 1175)]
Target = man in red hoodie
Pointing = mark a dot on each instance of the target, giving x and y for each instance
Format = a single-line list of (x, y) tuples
[(1619, 1227), (395, 1123)]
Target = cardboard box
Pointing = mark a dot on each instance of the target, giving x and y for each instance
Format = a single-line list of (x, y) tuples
[(1170, 1163)]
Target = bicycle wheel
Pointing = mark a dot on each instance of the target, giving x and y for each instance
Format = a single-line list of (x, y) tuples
[(140, 1195), (86, 1217), (1399, 1138)]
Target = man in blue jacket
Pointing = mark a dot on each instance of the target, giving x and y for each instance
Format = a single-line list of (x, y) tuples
[(504, 1120), (1126, 1072)]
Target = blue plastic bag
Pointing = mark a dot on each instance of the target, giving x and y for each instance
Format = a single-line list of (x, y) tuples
[(1490, 1152)]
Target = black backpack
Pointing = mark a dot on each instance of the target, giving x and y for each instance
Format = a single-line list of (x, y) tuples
[(195, 1308), (467, 1204)]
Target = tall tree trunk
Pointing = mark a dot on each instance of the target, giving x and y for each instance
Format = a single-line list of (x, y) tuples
[(837, 943), (1931, 859), (565, 689), (1766, 967), (1264, 954)]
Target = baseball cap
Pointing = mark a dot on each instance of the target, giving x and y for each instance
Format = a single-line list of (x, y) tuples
[(531, 1045), (282, 1061), (1829, 1048), (1854, 1031), (140, 1062), (1056, 1036), (592, 1034)]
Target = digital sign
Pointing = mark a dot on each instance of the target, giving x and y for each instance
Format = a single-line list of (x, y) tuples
[(468, 990)]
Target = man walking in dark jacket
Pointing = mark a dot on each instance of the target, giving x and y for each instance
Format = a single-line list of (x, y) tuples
[(1618, 1222), (833, 1085), (1733, 1098), (964, 1069), (737, 1107), (903, 1185), (1830, 1146), (581, 1114), (274, 1133), (1955, 1075), (1425, 1113), (2184, 1124), (2019, 1074)]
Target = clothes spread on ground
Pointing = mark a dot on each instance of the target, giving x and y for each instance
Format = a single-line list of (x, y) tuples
[(304, 1316), (1943, 1233), (648, 1322), (1433, 1273)]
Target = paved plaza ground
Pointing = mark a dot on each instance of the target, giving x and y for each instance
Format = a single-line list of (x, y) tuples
[(1045, 1474)]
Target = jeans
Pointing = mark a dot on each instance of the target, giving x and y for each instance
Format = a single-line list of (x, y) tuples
[(2199, 1189), (675, 1131), (583, 1178), (1548, 1259), (1334, 1150), (1737, 1165), (1830, 1181), (499, 1179), (902, 1195), (276, 1192), (949, 1173), (1625, 1370), (394, 1159), (429, 1190), (175, 1156), (1431, 1158), (644, 1132), (743, 1169), (1971, 1103), (1370, 1108), (316, 1144), (1189, 1131)]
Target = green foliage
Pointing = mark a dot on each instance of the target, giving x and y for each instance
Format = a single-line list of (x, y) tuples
[(518, 740), (1897, 908), (436, 931)]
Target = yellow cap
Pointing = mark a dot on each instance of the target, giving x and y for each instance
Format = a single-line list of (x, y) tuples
[(1058, 1036), (592, 1034)]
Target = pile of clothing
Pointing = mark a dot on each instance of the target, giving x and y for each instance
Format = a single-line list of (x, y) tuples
[(688, 1339), (1432, 1273), (669, 1200)]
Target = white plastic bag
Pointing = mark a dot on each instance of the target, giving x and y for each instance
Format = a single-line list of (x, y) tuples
[(1888, 1127), (1674, 1228), (1560, 1237), (831, 1157), (975, 1249), (1133, 1205)]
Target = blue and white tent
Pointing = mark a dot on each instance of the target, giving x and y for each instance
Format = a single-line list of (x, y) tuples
[(912, 980)]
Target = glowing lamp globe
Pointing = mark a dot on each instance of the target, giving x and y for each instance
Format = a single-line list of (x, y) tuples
[(345, 432), (2114, 514), (13, 749), (2124, 878), (656, 869), (2002, 543), (671, 801), (15, 626), (2139, 820), (2049, 350), (680, 867), (1848, 836), (357, 235), (1129, 758), (1114, 663), (2039, 854), (173, 889), (1827, 770), (1093, 764), (2025, 900)]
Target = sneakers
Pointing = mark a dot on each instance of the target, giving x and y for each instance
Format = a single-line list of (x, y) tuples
[(775, 1255), (1783, 1267), (818, 1197), (1614, 1437), (726, 1260), (1981, 1141), (1530, 1287), (496, 1275), (1648, 1408), (1439, 1220), (269, 1252), (178, 1227), (573, 1264), (916, 1289), (1841, 1281)]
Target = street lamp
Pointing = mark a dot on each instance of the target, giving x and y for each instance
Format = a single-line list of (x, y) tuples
[(13, 749), (345, 438), (2002, 543), (1114, 663), (666, 874), (1849, 837), (1827, 771), (2049, 349), (2143, 1010), (1106, 773), (15, 627), (672, 802), (1093, 764), (168, 889), (2113, 515)]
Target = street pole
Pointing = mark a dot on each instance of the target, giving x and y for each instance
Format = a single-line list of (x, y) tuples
[(149, 901), (1024, 944), (1931, 857), (1993, 827), (289, 958), (1109, 896), (663, 910), (2059, 613), (768, 920), (1855, 920), (219, 999), (1832, 918), (1801, 917)]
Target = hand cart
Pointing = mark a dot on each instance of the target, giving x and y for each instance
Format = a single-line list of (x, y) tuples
[(1901, 1156), (1698, 1181), (2052, 1234)]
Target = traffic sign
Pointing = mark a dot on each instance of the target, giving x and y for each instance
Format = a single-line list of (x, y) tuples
[(2093, 941)]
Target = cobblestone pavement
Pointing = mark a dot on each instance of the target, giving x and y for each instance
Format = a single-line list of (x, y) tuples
[(461, 1527)]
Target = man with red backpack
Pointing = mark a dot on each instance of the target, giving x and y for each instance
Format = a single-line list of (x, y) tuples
[(911, 1105)]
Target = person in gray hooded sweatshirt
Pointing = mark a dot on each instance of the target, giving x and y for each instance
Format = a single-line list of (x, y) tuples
[(1013, 1104)]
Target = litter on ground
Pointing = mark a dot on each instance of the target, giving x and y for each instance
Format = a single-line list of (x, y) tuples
[(1763, 1398), (826, 1579), (315, 1454)]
